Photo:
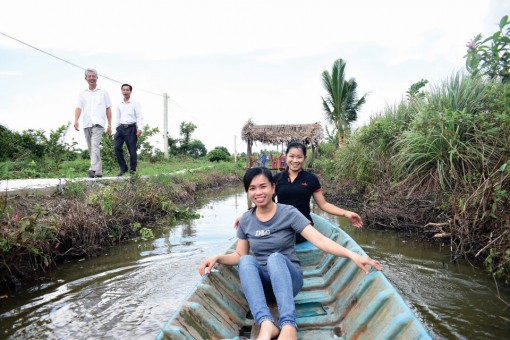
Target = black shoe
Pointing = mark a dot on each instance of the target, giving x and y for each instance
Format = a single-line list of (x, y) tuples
[(132, 172), (98, 176), (91, 173)]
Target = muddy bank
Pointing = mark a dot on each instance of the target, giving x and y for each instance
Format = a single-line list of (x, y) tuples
[(388, 208), (427, 217), (38, 232)]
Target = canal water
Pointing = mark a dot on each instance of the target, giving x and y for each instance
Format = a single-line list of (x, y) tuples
[(130, 291)]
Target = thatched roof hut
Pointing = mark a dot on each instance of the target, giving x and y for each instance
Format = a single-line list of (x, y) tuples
[(308, 134)]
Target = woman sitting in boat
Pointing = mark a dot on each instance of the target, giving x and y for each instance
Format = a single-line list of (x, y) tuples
[(296, 186), (274, 270)]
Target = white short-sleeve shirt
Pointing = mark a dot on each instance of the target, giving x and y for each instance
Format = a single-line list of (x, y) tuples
[(93, 105)]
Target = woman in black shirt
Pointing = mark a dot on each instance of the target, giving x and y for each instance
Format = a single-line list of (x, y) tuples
[(295, 186)]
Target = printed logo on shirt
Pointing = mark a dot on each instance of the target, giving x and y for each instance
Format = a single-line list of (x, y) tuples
[(304, 184), (261, 233)]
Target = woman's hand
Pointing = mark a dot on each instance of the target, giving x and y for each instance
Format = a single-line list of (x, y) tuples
[(362, 261), (354, 218), (206, 266)]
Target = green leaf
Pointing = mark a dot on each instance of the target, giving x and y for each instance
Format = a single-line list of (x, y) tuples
[(503, 22), (493, 131), (33, 250), (495, 36), (505, 39)]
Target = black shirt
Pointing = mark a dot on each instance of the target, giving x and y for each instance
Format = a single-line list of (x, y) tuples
[(297, 193)]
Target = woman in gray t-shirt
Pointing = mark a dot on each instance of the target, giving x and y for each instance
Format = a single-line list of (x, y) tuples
[(274, 271)]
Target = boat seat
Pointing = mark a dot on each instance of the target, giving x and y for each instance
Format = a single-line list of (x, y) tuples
[(308, 309)]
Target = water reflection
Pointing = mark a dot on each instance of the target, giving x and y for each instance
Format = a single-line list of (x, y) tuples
[(188, 230), (131, 290), (128, 292)]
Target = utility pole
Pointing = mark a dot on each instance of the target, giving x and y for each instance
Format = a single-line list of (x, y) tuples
[(165, 124), (235, 149)]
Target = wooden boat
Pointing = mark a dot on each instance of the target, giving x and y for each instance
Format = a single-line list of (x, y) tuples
[(338, 301)]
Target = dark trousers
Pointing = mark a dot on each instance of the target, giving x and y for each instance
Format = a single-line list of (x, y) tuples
[(126, 134)]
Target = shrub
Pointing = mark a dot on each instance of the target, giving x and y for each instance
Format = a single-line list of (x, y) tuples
[(491, 57), (219, 153), (197, 149)]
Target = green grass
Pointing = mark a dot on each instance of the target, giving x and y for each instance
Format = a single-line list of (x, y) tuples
[(78, 168)]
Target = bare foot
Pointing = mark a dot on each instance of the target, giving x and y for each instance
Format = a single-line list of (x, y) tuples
[(288, 333), (268, 330)]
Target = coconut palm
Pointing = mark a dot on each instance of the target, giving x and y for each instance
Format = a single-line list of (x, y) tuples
[(342, 104)]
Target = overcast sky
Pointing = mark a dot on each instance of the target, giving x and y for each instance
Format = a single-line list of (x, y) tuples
[(224, 62)]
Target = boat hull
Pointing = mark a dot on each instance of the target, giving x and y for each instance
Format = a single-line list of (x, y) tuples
[(337, 301)]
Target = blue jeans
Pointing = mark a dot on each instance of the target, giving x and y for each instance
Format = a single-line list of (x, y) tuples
[(281, 280)]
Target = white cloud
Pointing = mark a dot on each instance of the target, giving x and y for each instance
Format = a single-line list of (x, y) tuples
[(223, 62), (176, 29), (9, 73)]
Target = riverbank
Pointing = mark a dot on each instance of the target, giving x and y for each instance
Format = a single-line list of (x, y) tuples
[(130, 290), (436, 165), (83, 217)]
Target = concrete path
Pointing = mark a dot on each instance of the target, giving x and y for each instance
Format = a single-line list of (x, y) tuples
[(48, 186), (45, 186)]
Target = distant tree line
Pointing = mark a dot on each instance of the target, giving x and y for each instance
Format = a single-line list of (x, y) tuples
[(34, 145)]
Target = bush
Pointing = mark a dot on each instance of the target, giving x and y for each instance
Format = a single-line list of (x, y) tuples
[(197, 149), (445, 157), (490, 57), (219, 153), (15, 146)]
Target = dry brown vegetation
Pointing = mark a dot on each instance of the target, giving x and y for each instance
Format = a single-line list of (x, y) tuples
[(37, 232)]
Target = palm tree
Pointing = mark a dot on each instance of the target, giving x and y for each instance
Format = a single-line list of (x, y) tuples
[(342, 104)]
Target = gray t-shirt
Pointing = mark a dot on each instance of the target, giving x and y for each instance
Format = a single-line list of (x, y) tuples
[(276, 235)]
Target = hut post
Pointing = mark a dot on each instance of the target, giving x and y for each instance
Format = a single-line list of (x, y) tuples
[(248, 153)]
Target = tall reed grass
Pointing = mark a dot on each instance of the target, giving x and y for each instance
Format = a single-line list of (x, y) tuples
[(450, 148)]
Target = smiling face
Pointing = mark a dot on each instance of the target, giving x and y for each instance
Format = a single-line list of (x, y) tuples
[(91, 78), (295, 159), (261, 191), (126, 92)]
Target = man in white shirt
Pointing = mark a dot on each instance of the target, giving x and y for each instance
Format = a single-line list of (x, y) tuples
[(96, 107), (128, 123)]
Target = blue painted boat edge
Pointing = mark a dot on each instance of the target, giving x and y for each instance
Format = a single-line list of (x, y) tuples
[(424, 334)]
